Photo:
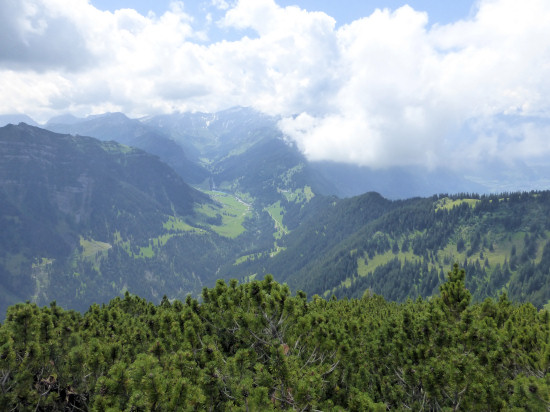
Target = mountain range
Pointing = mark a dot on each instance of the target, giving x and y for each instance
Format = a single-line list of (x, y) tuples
[(202, 145), (131, 132), (76, 210), (165, 205)]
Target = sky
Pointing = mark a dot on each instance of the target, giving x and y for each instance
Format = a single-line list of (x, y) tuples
[(375, 83)]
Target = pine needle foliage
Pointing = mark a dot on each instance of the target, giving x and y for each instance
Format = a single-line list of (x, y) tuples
[(255, 346)]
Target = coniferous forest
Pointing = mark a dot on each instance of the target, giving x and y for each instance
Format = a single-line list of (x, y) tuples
[(255, 346)]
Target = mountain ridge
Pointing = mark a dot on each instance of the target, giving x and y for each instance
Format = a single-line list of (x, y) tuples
[(62, 193), (131, 132), (268, 213), (402, 249)]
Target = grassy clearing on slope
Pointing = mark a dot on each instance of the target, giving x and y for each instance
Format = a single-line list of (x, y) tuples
[(448, 204), (90, 248), (364, 266), (276, 212), (299, 195), (114, 147), (250, 258), (276, 250), (174, 225), (501, 251), (43, 262), (178, 225), (233, 212), (246, 258), (287, 177), (502, 245), (41, 271)]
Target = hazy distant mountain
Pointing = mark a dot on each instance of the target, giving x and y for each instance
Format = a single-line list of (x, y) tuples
[(16, 119), (222, 142), (502, 176), (206, 147), (131, 132), (244, 151), (230, 141), (396, 182), (76, 214), (215, 135), (64, 119)]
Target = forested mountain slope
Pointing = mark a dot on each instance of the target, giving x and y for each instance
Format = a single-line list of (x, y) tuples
[(402, 249), (131, 132), (245, 153), (83, 220)]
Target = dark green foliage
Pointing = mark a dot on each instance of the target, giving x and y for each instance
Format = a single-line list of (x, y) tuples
[(454, 294), (499, 239), (55, 189), (255, 347)]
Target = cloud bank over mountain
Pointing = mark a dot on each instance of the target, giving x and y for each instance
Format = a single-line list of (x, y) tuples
[(388, 89)]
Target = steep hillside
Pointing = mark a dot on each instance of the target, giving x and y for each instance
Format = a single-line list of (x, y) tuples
[(83, 220), (131, 132), (213, 136), (326, 246), (248, 158), (244, 151), (402, 249)]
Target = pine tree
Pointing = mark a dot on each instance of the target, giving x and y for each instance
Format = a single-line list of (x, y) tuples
[(454, 294)]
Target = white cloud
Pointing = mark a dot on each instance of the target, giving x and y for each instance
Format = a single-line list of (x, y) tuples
[(387, 89), (40, 34), (410, 93), (220, 4)]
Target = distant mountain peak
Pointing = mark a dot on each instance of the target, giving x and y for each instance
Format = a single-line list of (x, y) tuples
[(16, 118), (108, 115), (64, 119)]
